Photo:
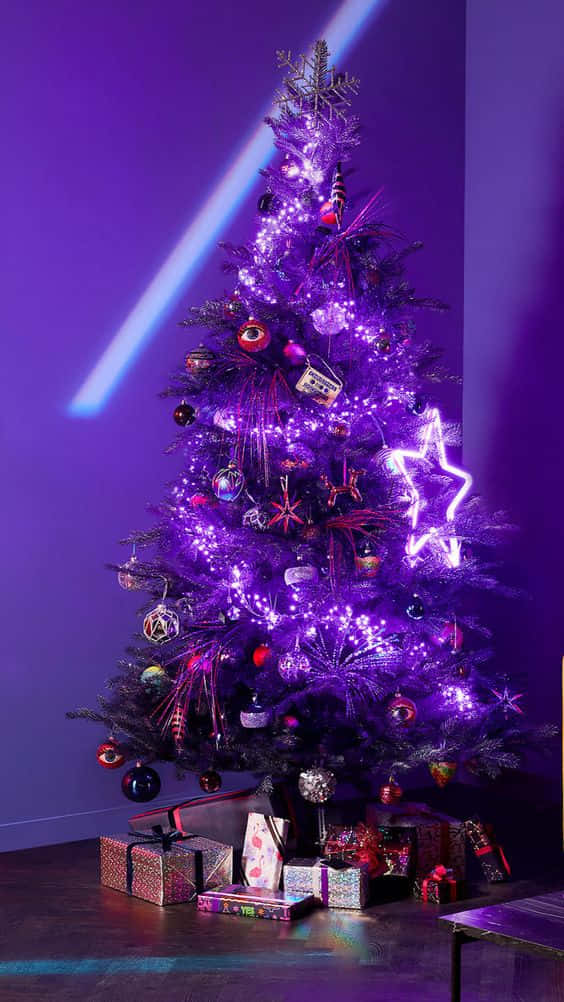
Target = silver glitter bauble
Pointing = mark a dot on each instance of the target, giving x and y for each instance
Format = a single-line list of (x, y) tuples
[(317, 785), (294, 664)]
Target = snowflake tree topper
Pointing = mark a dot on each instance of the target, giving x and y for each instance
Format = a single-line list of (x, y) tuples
[(315, 86)]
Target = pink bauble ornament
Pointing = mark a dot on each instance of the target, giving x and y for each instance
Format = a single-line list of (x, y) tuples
[(450, 636), (294, 352)]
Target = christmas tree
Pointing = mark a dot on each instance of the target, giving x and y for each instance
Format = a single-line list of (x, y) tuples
[(311, 570)]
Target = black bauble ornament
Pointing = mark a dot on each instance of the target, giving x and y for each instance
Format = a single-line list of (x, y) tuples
[(184, 414), (141, 784), (210, 781), (416, 405), (415, 608)]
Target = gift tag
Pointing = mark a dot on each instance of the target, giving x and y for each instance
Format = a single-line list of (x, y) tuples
[(323, 387)]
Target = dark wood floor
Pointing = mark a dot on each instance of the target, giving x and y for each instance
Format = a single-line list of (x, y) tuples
[(64, 937)]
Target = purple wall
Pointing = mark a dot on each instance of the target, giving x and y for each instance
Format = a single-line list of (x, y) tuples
[(121, 117), (514, 317)]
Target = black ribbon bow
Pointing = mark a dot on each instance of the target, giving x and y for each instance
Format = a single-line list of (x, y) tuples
[(165, 840)]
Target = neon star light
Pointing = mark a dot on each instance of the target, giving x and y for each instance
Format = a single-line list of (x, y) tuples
[(417, 540)]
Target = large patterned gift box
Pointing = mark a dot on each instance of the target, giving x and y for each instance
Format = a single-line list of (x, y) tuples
[(384, 851), (438, 837), (222, 816), (333, 885), (255, 902), (164, 868), (491, 856), (263, 851)]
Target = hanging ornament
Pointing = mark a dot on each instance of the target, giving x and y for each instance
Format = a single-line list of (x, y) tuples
[(508, 702), (383, 346), (257, 519), (391, 792), (253, 336), (367, 565), (161, 624), (127, 577), (416, 405), (317, 785), (299, 457), (261, 654), (294, 353), (254, 715), (224, 418), (184, 414), (210, 781), (110, 755), (232, 307), (329, 319), (401, 710), (415, 608), (310, 532), (178, 724), (318, 385), (327, 214), (443, 772), (338, 194), (286, 510), (290, 721), (349, 485), (267, 204), (199, 359), (154, 677), (450, 636), (228, 483), (293, 665), (141, 784), (289, 169), (340, 429), (303, 574)]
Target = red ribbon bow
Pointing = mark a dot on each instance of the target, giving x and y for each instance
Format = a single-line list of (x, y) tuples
[(439, 875)]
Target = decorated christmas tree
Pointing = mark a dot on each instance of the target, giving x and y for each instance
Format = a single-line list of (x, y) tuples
[(312, 572)]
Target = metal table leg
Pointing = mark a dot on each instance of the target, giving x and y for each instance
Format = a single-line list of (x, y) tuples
[(457, 942)]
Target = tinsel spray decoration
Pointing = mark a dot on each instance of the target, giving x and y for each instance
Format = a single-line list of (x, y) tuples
[(338, 194)]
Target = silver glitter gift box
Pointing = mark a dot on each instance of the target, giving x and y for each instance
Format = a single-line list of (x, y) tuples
[(333, 885)]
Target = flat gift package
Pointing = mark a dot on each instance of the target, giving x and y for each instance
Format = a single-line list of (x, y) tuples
[(438, 837), (440, 887), (164, 867), (255, 902), (221, 816), (491, 856), (332, 884), (263, 850)]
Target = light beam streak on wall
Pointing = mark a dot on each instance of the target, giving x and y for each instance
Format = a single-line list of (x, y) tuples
[(189, 253)]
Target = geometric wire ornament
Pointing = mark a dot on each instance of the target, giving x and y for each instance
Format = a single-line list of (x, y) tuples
[(161, 624), (418, 539), (314, 86)]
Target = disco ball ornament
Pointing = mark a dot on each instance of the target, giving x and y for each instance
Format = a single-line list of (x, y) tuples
[(154, 677), (255, 715), (228, 483), (257, 519), (127, 577), (199, 360), (401, 710), (390, 793), (210, 781), (327, 214), (293, 665), (443, 772), (184, 414), (317, 785), (110, 755), (141, 784), (329, 319), (415, 608), (253, 336), (294, 352), (161, 624), (450, 636)]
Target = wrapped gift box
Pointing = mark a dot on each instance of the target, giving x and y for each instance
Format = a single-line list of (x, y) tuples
[(438, 837), (395, 848), (255, 902), (263, 851), (164, 868), (440, 887), (333, 885), (221, 816), (491, 856)]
